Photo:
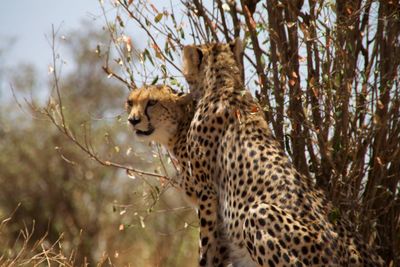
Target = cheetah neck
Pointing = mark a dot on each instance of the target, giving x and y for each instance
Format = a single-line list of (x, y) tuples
[(222, 73), (177, 144)]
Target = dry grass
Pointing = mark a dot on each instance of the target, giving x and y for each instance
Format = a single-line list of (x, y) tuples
[(23, 251)]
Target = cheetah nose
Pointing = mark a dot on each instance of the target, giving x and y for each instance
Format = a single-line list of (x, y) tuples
[(134, 120)]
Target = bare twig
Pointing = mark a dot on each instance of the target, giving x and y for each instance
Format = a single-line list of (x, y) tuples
[(200, 11), (149, 34), (62, 126)]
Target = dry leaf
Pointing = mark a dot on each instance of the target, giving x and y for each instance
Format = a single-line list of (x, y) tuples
[(328, 42), (238, 116), (226, 7), (305, 31), (254, 109), (290, 24), (380, 104), (154, 8), (315, 91), (142, 222), (313, 87), (130, 174), (158, 51), (128, 42), (163, 181)]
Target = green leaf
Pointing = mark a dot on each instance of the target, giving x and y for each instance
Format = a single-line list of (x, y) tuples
[(158, 17), (182, 33), (154, 80), (164, 69), (146, 54), (262, 60), (121, 23), (173, 81)]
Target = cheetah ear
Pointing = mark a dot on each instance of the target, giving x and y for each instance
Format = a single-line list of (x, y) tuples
[(237, 49), (192, 57), (185, 99)]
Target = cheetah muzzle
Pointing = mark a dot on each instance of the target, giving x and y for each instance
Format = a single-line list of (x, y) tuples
[(144, 133)]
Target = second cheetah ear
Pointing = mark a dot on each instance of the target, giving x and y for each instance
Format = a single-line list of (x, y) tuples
[(237, 49), (192, 58), (186, 101)]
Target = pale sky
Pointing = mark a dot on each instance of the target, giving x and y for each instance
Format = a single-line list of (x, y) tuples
[(24, 25), (28, 21)]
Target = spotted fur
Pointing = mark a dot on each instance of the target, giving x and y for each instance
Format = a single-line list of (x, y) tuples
[(157, 113), (254, 199)]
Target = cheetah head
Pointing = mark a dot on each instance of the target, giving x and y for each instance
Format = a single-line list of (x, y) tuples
[(197, 59), (155, 111)]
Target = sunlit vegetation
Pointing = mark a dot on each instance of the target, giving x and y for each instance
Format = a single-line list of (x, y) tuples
[(78, 189)]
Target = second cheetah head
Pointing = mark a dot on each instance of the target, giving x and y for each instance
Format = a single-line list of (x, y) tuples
[(199, 59)]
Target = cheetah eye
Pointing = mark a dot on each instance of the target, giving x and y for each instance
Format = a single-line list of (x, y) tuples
[(200, 55), (129, 103), (151, 102)]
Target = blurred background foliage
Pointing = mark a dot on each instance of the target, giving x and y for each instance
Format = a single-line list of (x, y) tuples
[(50, 189), (325, 72)]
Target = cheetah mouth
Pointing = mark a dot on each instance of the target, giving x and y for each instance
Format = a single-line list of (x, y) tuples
[(145, 133)]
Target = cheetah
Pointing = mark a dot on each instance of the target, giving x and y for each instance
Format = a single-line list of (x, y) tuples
[(157, 113), (269, 214)]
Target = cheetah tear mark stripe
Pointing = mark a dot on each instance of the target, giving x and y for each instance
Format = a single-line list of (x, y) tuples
[(150, 126)]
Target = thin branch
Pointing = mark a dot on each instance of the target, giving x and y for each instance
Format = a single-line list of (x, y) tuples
[(208, 23), (110, 73), (130, 13), (223, 21), (259, 64), (62, 126)]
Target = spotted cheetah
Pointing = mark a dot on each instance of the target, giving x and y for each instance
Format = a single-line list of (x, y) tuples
[(270, 214), (157, 113)]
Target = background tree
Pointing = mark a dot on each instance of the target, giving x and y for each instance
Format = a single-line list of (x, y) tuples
[(326, 74)]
